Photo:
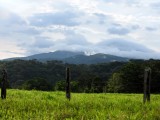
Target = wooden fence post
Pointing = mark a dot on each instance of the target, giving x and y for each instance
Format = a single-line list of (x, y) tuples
[(4, 82), (68, 94), (147, 79)]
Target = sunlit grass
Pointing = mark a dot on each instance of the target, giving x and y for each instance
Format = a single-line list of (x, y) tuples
[(38, 105)]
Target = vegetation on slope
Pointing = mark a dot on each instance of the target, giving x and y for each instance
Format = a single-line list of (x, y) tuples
[(118, 77)]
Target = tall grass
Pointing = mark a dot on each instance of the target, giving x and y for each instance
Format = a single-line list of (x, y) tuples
[(37, 105)]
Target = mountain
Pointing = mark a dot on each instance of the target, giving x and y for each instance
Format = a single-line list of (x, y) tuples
[(57, 55), (93, 59), (74, 57)]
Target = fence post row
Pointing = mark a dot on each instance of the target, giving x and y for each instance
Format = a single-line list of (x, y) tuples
[(147, 79), (4, 82), (68, 95)]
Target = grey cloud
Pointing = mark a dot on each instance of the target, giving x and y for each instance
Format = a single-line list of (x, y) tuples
[(73, 38), (12, 24), (135, 27), (117, 47), (124, 45), (102, 17), (128, 2), (88, 22), (33, 51), (15, 19), (131, 26), (37, 42), (38, 45), (126, 48), (102, 22), (27, 30), (42, 42), (113, 1), (155, 5), (75, 47), (78, 40), (151, 28), (118, 30), (116, 24), (72, 41), (133, 3), (11, 20), (59, 18)]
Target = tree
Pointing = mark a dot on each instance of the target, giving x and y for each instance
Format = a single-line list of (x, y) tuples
[(97, 85), (60, 85), (37, 84), (129, 79), (115, 83)]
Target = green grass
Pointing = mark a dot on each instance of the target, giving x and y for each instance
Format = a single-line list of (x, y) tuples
[(36, 105)]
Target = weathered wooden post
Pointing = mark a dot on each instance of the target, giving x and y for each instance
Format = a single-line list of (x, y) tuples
[(68, 94), (4, 82), (147, 79)]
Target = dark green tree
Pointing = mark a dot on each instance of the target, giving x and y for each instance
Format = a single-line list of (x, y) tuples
[(37, 84), (129, 79), (60, 85), (115, 83)]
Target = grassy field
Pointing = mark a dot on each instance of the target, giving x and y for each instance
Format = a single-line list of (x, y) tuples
[(36, 105)]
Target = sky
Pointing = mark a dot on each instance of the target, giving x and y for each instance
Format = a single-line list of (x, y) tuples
[(128, 28)]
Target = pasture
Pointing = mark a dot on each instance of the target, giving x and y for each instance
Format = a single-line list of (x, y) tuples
[(38, 105)]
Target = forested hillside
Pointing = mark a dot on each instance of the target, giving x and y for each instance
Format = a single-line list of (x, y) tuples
[(105, 77), (73, 57)]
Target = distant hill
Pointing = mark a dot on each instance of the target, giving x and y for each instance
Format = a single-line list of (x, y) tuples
[(93, 59), (57, 55), (73, 57)]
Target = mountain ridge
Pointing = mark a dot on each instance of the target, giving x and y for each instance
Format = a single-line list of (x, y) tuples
[(73, 57)]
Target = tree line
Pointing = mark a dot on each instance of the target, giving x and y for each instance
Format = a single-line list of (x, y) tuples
[(126, 77)]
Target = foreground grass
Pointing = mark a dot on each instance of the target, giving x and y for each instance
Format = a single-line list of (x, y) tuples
[(36, 105)]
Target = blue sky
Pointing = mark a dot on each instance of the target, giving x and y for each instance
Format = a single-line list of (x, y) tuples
[(128, 28)]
